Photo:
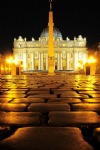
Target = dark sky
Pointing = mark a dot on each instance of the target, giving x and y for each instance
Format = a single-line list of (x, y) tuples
[(28, 19)]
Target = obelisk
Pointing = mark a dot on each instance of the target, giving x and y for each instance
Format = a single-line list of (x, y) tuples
[(50, 42)]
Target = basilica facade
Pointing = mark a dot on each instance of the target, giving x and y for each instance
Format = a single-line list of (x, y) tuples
[(33, 55), (50, 50)]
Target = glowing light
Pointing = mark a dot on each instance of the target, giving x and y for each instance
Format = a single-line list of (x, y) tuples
[(91, 60), (10, 60)]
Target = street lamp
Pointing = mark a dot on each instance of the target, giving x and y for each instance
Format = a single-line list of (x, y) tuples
[(10, 61), (91, 60)]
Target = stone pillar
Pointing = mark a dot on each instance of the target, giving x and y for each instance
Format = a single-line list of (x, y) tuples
[(39, 66), (74, 60), (58, 62), (25, 61), (46, 61), (32, 61), (41, 58), (68, 61)]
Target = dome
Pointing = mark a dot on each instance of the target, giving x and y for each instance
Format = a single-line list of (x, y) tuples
[(57, 33)]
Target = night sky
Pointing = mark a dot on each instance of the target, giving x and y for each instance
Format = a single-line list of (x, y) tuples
[(29, 18)]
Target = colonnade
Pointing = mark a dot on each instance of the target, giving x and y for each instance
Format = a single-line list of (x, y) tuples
[(63, 60)]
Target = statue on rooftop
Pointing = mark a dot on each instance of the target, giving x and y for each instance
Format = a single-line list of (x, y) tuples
[(80, 38), (33, 39), (74, 38), (67, 39), (14, 39)]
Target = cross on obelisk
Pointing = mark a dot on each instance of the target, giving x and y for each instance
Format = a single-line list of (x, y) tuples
[(50, 42)]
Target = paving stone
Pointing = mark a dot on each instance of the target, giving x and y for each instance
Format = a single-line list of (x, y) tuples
[(74, 96), (21, 86), (97, 83), (92, 100), (28, 100), (96, 95), (45, 107), (87, 85), (86, 107), (12, 95), (31, 86), (46, 96), (89, 92), (56, 91), (40, 89), (83, 89), (68, 88), (64, 100), (5, 100), (81, 118), (97, 88), (14, 92), (19, 89), (3, 89), (38, 92), (48, 107), (20, 118), (38, 138), (52, 86), (12, 107), (96, 134)]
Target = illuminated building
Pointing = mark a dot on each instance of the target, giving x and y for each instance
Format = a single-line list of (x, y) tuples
[(33, 54)]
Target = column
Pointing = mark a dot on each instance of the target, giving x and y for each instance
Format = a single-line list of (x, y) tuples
[(68, 61), (60, 58), (58, 61), (73, 59), (46, 61), (39, 63), (32, 61), (76, 60), (25, 61), (41, 58)]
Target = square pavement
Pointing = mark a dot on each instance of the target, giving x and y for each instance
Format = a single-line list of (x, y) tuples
[(50, 112)]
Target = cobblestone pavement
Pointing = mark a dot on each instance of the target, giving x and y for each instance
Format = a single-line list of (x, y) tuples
[(42, 112)]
